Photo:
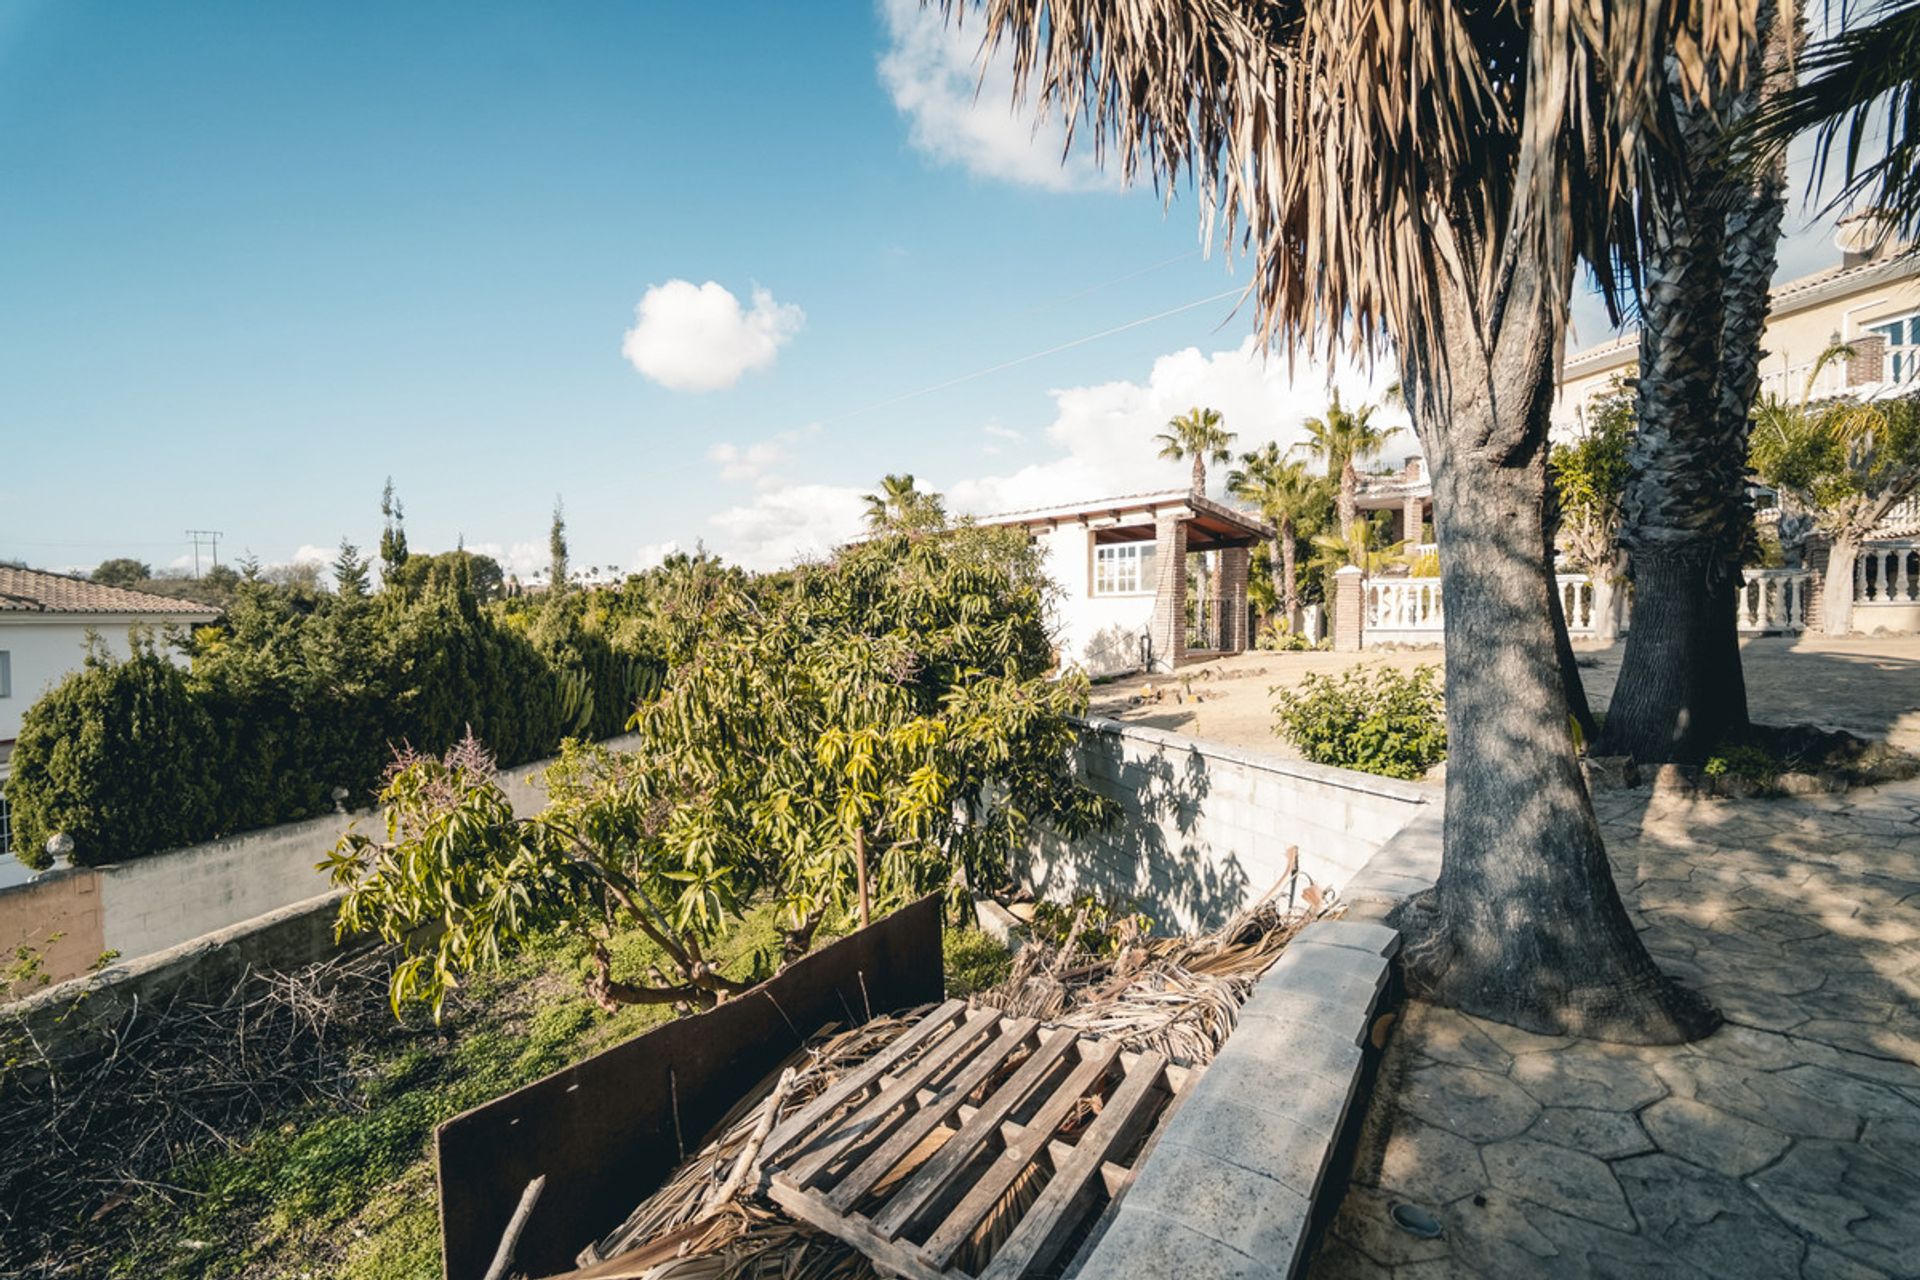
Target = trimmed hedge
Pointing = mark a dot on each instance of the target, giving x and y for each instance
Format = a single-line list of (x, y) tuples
[(293, 696)]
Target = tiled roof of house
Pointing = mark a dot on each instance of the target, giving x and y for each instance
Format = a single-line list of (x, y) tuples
[(1785, 300), (35, 591), (1131, 502)]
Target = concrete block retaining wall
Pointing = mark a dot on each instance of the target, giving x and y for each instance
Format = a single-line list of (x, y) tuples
[(1206, 827), (1252, 1166), (149, 904)]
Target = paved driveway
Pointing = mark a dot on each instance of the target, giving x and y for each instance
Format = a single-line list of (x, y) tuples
[(1787, 1144), (1867, 684)]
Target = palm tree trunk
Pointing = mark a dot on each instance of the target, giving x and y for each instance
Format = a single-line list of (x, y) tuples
[(1525, 924), (1836, 592), (1349, 498), (1199, 474), (1709, 263), (1289, 584)]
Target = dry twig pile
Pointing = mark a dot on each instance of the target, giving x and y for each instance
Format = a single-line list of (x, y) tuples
[(1180, 996)]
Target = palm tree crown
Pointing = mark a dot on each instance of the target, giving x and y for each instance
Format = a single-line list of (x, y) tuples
[(1199, 435), (1343, 438), (902, 504), (1291, 498)]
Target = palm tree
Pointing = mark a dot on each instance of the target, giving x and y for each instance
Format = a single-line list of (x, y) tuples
[(1710, 233), (1342, 439), (1196, 434), (1435, 180), (901, 504), (1863, 80), (1292, 500)]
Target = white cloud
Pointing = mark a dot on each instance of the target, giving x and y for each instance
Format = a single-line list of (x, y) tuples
[(650, 555), (790, 523), (755, 462), (522, 560), (747, 462), (310, 554), (690, 337), (1105, 432), (932, 72), (1103, 437)]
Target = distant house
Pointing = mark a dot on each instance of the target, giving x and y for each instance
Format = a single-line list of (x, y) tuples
[(1129, 570), (45, 623), (1870, 303)]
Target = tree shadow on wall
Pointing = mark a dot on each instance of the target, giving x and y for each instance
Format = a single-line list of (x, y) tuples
[(1157, 854)]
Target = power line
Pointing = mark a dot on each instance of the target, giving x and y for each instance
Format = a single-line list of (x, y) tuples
[(1028, 358), (204, 537)]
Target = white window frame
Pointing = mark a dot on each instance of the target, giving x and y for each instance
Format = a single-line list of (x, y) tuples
[(1125, 573), (6, 823), (1902, 360)]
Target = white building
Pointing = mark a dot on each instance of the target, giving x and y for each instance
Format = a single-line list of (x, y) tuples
[(46, 623), (1123, 566)]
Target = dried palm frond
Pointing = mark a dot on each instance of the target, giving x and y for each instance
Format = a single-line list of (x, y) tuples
[(1180, 996)]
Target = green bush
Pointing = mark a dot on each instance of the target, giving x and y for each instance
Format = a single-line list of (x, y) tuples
[(116, 757), (296, 694), (1376, 720)]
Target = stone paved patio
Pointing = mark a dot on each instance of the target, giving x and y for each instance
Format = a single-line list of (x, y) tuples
[(1787, 1144)]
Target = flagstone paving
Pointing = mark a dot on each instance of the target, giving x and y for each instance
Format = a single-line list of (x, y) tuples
[(1786, 1144)]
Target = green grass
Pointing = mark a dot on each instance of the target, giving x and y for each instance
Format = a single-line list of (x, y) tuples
[(348, 1193)]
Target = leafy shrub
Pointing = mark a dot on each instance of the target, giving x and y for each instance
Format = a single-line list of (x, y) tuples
[(1377, 720), (1095, 926), (294, 695), (1742, 761), (1279, 637), (117, 756)]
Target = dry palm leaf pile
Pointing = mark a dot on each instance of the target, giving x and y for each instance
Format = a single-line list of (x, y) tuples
[(1179, 996)]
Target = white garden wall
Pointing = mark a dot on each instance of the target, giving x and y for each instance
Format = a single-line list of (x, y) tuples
[(149, 904), (1205, 827)]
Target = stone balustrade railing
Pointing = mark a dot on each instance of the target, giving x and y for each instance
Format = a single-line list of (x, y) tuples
[(1770, 602), (1887, 572), (1773, 601)]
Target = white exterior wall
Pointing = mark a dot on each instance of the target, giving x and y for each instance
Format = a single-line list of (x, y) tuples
[(1791, 343), (1205, 827), (1102, 634), (44, 648)]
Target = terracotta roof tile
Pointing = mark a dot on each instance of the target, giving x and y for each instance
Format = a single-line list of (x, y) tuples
[(35, 591)]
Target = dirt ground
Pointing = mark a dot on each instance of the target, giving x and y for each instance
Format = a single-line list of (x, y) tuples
[(1868, 685)]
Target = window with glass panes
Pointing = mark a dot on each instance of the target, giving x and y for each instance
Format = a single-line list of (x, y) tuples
[(1123, 569), (1903, 347), (6, 826)]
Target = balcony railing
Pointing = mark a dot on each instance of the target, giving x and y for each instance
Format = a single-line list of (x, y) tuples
[(1888, 573), (1770, 602)]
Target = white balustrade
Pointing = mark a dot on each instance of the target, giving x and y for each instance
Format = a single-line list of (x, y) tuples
[(1403, 605), (1576, 602), (1410, 610), (1773, 600), (1887, 573)]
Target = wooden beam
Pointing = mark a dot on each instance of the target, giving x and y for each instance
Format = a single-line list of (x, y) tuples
[(856, 1081), (933, 1177), (1043, 1229)]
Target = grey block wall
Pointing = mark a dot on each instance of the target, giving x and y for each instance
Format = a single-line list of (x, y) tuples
[(1231, 1188), (1206, 827), (153, 903)]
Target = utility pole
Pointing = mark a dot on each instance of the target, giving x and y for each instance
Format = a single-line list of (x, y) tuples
[(209, 538)]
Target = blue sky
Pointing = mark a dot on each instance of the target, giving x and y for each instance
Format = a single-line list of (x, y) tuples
[(256, 258)]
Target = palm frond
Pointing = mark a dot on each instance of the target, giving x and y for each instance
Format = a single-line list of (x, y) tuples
[(1857, 87), (1364, 153)]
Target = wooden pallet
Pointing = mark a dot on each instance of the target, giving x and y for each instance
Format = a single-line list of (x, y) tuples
[(1004, 1099)]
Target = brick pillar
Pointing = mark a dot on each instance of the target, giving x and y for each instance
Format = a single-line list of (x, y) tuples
[(1169, 629), (1234, 563), (1869, 360), (1411, 517), (1349, 609)]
